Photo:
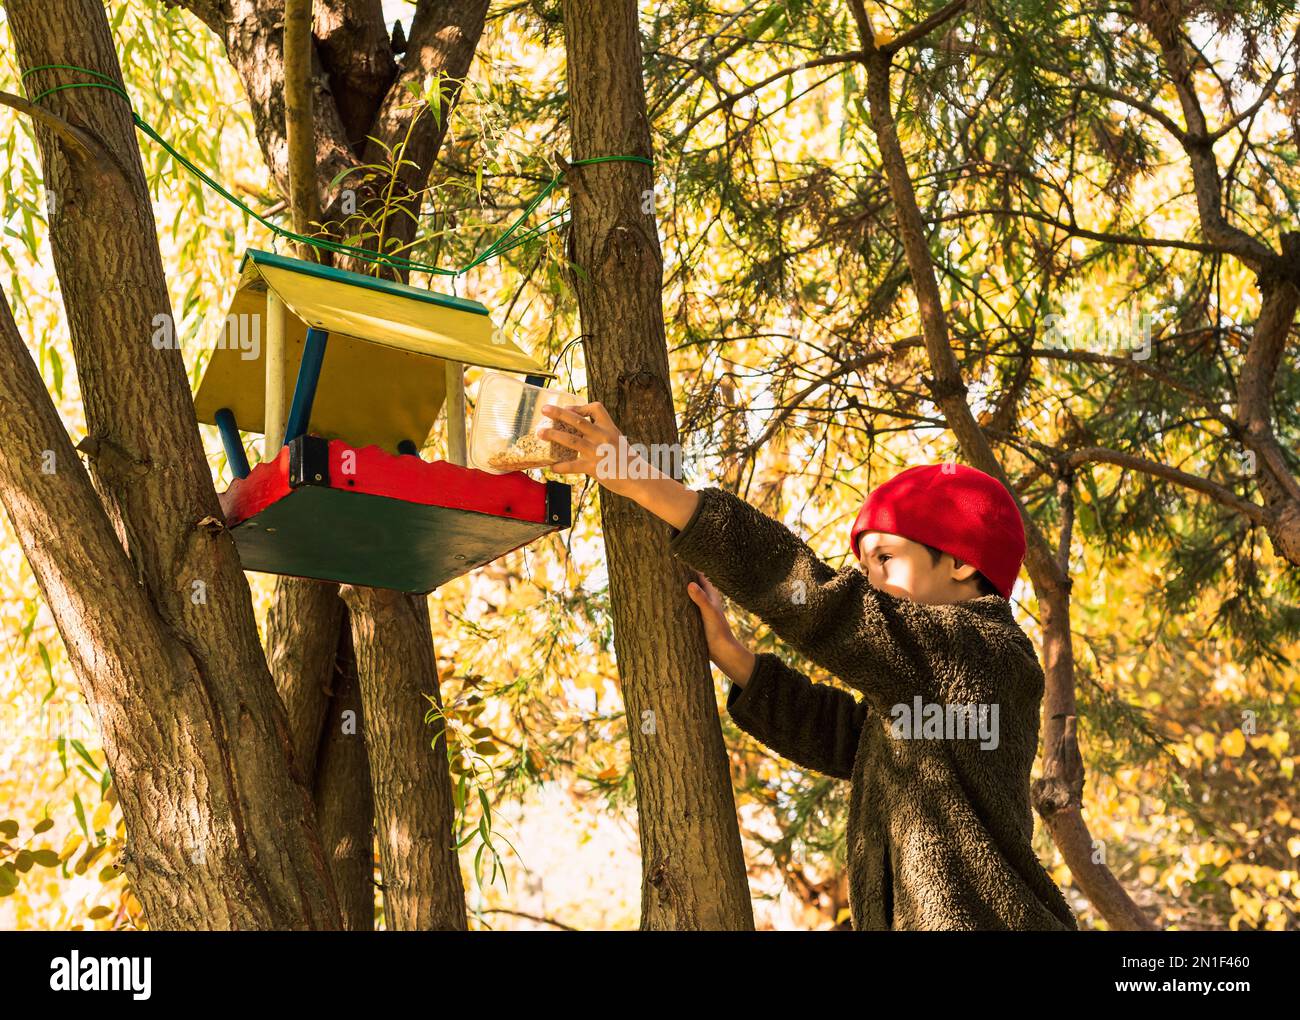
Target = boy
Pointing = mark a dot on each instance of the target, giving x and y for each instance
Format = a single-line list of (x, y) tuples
[(939, 823)]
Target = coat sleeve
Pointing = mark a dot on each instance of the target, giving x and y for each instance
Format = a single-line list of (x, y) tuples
[(874, 641), (816, 726)]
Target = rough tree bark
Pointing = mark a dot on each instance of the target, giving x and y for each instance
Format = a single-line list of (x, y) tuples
[(315, 673), (221, 827), (693, 868), (414, 810), (347, 822), (359, 91)]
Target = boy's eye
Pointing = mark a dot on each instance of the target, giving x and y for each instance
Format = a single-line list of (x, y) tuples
[(883, 556)]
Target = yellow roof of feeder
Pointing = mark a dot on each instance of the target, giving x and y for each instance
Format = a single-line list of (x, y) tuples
[(382, 380)]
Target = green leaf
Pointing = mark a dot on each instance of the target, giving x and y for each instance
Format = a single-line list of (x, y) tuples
[(759, 26), (40, 645), (56, 363), (81, 814), (80, 748), (44, 825)]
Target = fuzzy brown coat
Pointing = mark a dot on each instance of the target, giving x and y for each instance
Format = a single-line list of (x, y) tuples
[(938, 830)]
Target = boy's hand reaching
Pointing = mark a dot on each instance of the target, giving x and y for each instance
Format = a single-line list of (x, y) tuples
[(601, 451), (727, 653), (598, 446), (716, 628)]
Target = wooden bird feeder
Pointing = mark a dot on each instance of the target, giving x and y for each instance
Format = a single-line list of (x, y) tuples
[(342, 493)]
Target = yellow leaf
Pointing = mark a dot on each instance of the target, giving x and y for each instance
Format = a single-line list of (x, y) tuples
[(1234, 744), (99, 820)]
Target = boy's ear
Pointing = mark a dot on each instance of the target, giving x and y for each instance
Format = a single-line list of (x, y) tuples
[(963, 571)]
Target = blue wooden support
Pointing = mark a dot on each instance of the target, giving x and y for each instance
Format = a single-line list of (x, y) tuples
[(304, 390), (528, 402), (235, 454)]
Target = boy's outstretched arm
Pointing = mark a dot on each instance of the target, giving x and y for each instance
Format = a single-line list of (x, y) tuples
[(835, 618), (816, 726)]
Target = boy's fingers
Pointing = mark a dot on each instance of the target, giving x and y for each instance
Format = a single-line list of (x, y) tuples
[(602, 416), (585, 426), (597, 411), (563, 438)]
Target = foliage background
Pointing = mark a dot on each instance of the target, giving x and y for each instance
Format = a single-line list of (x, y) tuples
[(773, 262)]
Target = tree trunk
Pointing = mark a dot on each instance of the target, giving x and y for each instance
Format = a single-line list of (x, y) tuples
[(693, 873), (414, 811), (1058, 797), (200, 752), (367, 96), (345, 807), (305, 668)]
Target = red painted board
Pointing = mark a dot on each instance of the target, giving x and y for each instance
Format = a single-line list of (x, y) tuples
[(376, 472), (264, 485)]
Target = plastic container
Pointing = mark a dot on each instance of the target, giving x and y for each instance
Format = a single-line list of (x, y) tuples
[(507, 415)]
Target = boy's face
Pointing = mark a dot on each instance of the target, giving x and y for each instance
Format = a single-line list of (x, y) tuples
[(905, 568)]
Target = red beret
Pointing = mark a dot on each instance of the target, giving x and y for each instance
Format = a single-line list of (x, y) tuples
[(955, 508)]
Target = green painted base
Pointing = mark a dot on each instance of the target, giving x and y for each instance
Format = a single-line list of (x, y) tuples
[(374, 541)]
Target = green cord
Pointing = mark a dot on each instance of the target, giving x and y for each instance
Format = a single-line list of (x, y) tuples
[(496, 248)]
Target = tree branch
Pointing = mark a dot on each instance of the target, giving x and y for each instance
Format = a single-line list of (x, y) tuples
[(1134, 240), (1265, 93), (80, 143), (1100, 454), (444, 36), (1162, 22), (924, 28), (734, 97), (304, 200), (852, 365)]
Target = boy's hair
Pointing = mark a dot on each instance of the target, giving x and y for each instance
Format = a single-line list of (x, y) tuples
[(985, 585)]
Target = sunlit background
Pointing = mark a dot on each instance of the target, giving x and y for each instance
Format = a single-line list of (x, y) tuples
[(532, 631)]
